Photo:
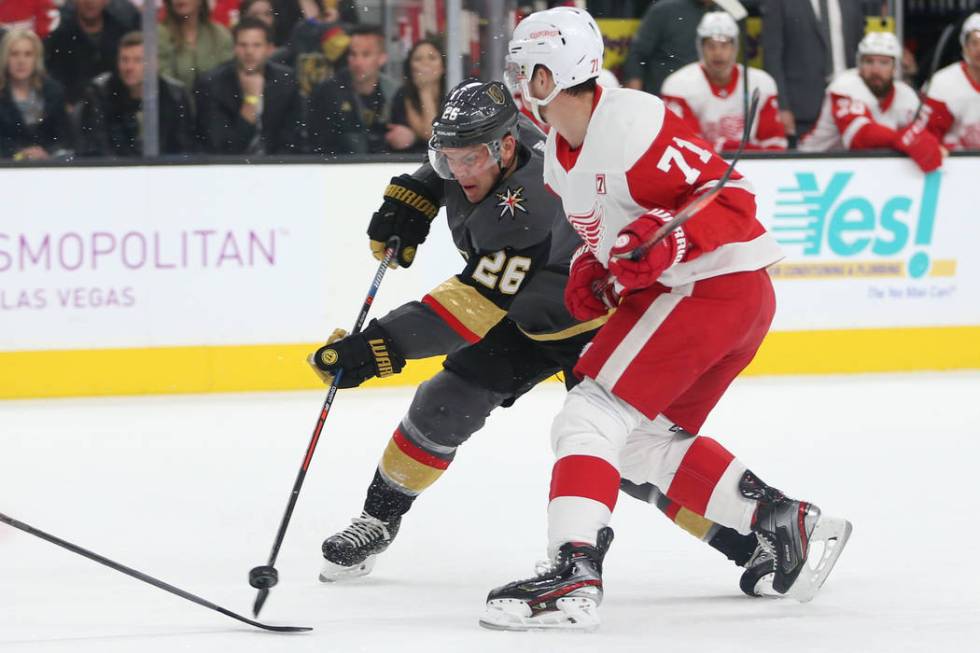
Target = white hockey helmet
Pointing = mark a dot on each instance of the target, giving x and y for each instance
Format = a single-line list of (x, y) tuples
[(565, 40), (884, 44), (972, 24), (718, 25)]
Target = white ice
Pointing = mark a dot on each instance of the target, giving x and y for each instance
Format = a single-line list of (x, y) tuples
[(191, 490)]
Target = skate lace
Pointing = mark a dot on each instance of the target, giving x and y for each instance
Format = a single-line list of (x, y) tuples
[(545, 567), (364, 530), (763, 551), (768, 546)]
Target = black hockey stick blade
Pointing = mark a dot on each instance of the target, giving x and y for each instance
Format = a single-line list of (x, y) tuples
[(138, 575), (260, 601)]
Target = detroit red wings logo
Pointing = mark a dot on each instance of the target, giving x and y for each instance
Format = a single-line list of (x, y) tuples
[(589, 226)]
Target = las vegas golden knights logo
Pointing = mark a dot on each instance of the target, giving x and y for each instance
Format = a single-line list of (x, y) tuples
[(512, 200), (496, 94)]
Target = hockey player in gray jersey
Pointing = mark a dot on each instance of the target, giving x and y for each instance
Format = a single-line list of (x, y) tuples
[(502, 320)]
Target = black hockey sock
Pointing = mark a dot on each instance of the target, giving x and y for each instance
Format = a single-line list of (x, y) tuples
[(385, 502), (737, 547)]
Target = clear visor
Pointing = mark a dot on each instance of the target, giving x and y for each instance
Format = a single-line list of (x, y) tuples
[(512, 76), (517, 78), (465, 162)]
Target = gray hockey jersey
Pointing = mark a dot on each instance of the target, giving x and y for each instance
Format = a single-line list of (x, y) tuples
[(516, 246)]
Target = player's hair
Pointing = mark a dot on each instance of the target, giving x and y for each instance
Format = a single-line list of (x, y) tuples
[(7, 43), (251, 22), (585, 88)]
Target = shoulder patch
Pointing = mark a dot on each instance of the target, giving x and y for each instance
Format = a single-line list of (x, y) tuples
[(511, 200)]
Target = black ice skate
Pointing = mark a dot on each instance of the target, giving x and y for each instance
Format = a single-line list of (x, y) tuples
[(351, 553), (803, 543), (564, 595)]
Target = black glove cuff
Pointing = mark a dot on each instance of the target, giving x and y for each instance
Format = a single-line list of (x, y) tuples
[(386, 357)]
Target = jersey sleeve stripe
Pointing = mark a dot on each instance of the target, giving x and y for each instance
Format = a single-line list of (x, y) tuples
[(464, 309), (848, 136)]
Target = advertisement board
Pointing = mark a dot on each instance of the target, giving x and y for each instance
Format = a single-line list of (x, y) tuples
[(211, 278)]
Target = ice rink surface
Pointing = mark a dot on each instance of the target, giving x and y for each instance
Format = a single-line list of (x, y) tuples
[(191, 490)]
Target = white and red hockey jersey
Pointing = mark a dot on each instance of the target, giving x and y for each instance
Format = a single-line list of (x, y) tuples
[(717, 113), (849, 106), (637, 155), (953, 104), (39, 16)]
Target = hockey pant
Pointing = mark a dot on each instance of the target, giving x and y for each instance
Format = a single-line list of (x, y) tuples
[(451, 406), (652, 375)]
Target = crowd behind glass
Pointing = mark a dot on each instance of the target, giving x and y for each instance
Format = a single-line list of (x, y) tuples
[(242, 77)]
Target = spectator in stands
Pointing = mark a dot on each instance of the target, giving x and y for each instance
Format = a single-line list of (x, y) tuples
[(953, 102), (710, 96), (416, 103), (349, 114), (316, 49), (805, 44), (190, 42), (112, 111), (250, 105), (39, 16), (290, 13), (663, 43), (868, 108), (33, 120), (3, 31), (261, 9), (83, 46)]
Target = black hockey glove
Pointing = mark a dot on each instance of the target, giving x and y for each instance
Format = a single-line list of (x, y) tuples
[(406, 212), (362, 356)]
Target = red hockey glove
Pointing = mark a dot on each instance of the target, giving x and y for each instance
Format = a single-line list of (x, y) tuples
[(921, 146), (645, 272), (587, 294)]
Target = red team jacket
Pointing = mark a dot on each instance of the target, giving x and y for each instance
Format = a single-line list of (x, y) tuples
[(39, 16), (717, 113), (953, 104)]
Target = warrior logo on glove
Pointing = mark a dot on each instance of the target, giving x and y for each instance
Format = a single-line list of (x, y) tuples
[(361, 356)]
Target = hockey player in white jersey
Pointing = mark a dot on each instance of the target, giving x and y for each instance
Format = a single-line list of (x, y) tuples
[(867, 108), (693, 309), (709, 94), (953, 101)]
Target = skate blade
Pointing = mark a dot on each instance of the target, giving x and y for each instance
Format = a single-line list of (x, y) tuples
[(572, 613), (832, 533), (333, 573)]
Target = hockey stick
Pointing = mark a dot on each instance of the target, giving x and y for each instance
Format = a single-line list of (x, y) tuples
[(700, 202), (265, 576), (138, 575), (933, 65)]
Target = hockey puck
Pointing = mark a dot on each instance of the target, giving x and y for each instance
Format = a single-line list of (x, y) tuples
[(263, 577)]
